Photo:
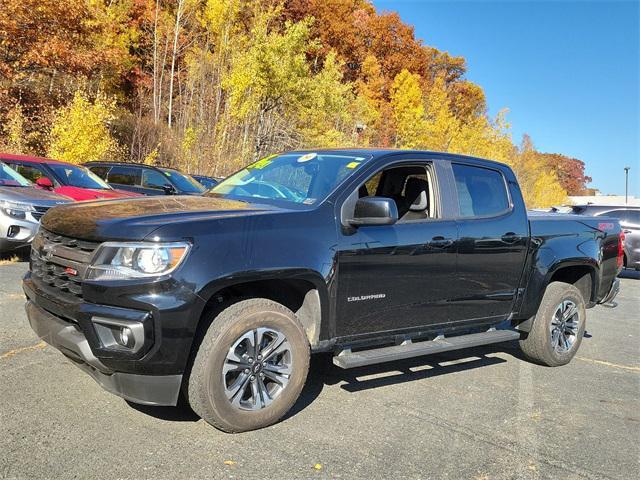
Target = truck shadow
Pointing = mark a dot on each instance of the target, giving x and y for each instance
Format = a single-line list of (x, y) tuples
[(322, 372)]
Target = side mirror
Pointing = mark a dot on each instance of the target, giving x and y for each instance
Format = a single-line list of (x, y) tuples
[(44, 182), (374, 211), (169, 189)]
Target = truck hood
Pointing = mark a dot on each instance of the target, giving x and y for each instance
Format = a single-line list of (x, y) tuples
[(136, 218), (32, 196)]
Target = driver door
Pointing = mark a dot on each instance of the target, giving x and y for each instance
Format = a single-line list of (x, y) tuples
[(398, 277)]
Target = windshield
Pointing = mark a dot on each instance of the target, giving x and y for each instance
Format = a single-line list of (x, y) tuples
[(79, 177), (184, 183), (10, 178), (305, 178)]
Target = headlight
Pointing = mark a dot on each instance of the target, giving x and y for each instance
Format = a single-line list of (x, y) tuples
[(122, 261), (15, 209)]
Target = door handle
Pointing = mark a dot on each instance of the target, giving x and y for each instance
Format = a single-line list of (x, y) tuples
[(440, 242), (510, 237), (626, 231)]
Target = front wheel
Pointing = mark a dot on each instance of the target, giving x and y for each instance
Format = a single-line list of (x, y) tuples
[(250, 367), (558, 326)]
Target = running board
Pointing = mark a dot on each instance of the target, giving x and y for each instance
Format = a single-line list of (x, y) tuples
[(348, 359)]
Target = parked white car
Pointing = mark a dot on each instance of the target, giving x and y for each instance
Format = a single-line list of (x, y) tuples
[(21, 207)]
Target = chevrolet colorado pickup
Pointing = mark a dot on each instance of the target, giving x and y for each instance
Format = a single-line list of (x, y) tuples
[(373, 255)]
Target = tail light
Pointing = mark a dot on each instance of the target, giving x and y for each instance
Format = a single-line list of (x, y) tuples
[(621, 250)]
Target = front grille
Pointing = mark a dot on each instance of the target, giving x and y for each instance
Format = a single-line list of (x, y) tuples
[(61, 262), (39, 212)]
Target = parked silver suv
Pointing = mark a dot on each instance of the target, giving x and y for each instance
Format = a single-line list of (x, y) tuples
[(629, 217), (21, 207)]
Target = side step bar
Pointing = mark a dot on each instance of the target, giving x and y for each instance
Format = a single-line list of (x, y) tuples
[(348, 359)]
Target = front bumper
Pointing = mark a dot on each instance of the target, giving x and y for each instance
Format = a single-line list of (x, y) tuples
[(67, 337), (150, 375), (23, 231)]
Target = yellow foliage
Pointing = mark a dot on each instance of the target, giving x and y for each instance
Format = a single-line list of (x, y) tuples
[(408, 110), (538, 182), (16, 141), (442, 126), (325, 111), (151, 158), (80, 131)]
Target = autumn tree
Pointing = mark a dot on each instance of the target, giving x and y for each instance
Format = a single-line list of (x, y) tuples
[(570, 172), (209, 85), (80, 131), (408, 109)]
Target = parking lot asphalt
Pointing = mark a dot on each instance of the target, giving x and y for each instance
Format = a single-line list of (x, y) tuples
[(479, 414)]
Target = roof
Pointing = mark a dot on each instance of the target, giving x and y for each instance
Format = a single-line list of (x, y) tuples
[(127, 164), (380, 152), (30, 158)]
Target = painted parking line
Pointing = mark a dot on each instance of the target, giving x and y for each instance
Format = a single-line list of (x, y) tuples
[(609, 364), (11, 353)]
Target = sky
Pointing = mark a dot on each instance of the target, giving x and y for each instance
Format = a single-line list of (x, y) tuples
[(566, 70)]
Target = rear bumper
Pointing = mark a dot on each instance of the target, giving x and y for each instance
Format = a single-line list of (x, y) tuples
[(607, 301), (69, 339)]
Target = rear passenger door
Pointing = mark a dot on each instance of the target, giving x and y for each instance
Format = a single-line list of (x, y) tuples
[(493, 236)]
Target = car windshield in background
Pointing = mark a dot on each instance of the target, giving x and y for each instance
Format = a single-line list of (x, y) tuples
[(206, 182), (305, 178), (10, 178), (79, 177), (184, 182)]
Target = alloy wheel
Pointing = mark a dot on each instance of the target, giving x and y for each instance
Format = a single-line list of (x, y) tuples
[(257, 368)]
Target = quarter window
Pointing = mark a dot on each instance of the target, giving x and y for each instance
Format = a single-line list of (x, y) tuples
[(481, 191)]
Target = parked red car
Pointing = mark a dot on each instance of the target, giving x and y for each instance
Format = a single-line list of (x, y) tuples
[(74, 181)]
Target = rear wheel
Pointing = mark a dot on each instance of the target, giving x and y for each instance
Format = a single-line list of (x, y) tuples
[(558, 326), (250, 367)]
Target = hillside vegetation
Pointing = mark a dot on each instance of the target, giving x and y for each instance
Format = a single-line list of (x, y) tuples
[(210, 85)]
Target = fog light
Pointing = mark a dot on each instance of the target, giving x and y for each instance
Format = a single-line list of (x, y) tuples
[(119, 334), (13, 231), (125, 337)]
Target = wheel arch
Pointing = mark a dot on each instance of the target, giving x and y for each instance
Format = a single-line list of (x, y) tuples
[(303, 291), (583, 274)]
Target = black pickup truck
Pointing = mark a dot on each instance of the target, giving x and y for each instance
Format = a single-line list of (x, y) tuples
[(373, 255)]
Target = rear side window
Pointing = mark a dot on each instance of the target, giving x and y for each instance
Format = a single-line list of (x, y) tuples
[(124, 175), (481, 191), (633, 217), (625, 216)]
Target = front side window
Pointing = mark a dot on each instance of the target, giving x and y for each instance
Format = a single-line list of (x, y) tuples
[(185, 183), (411, 187), (124, 176), (80, 177), (481, 191), (30, 173), (301, 178), (10, 178), (154, 179), (100, 171)]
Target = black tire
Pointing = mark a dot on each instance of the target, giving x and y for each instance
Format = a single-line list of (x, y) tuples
[(206, 387), (539, 345)]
